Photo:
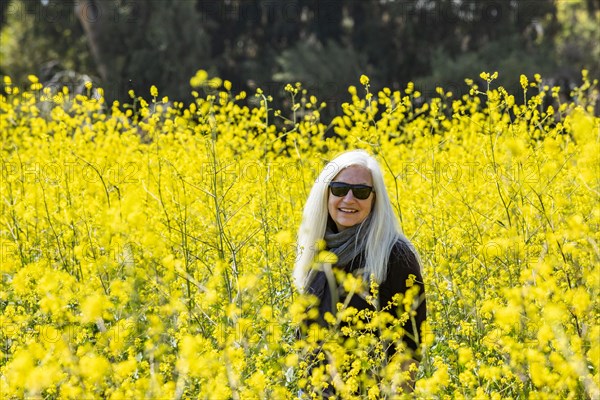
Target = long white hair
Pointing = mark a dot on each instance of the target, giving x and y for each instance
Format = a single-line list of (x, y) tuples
[(383, 232)]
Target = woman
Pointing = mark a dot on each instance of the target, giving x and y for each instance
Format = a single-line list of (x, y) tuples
[(349, 208)]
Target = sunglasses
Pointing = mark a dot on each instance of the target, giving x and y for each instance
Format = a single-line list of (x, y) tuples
[(340, 189)]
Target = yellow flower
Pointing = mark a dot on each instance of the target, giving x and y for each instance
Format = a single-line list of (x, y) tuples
[(364, 80), (524, 82), (214, 83), (147, 251), (93, 307), (94, 368), (326, 257), (199, 78), (465, 355), (284, 238)]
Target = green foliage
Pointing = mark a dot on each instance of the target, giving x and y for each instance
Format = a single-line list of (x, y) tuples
[(35, 39), (311, 62), (330, 67), (160, 43), (577, 42), (132, 45), (506, 55)]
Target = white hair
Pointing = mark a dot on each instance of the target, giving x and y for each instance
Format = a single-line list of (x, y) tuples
[(383, 232)]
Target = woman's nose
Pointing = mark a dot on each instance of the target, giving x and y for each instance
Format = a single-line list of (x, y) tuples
[(349, 195)]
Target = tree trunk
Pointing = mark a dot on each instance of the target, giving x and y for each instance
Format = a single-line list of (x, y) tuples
[(89, 13)]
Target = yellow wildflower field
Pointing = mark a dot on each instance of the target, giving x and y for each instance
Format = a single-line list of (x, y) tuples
[(147, 248)]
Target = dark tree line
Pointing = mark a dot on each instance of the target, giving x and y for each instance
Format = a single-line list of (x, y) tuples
[(125, 44)]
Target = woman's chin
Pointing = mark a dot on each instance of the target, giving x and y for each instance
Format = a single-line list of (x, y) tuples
[(345, 223)]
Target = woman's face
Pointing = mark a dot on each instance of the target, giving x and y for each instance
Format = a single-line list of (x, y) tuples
[(348, 211)]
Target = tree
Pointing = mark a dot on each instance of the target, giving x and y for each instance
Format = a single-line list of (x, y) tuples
[(41, 39), (130, 44), (139, 44)]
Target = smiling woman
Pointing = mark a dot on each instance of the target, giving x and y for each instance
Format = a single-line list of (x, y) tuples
[(349, 208)]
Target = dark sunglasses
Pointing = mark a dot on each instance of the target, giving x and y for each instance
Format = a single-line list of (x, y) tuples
[(340, 189)]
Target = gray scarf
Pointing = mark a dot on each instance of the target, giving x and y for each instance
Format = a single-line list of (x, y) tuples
[(346, 245)]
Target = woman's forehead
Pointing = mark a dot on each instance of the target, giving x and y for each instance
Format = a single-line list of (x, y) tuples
[(355, 173)]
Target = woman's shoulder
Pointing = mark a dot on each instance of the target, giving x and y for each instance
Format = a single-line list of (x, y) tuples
[(403, 263), (404, 257)]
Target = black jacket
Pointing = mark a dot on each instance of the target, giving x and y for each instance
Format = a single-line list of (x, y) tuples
[(402, 263)]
